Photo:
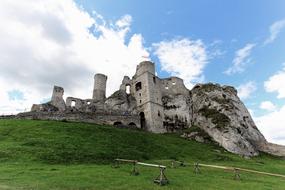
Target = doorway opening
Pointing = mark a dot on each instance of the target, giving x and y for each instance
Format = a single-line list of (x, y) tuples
[(142, 121)]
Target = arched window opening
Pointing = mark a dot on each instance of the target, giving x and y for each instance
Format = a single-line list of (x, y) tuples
[(154, 80), (73, 103), (118, 124), (132, 125), (138, 86), (142, 121), (128, 89)]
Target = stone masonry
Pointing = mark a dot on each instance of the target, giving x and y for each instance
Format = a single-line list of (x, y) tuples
[(150, 103)]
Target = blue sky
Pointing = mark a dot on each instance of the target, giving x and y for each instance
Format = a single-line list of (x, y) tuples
[(239, 43), (231, 24)]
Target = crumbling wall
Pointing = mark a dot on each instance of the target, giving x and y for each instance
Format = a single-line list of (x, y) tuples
[(173, 86), (76, 104), (177, 109), (126, 82), (121, 102), (176, 104), (46, 107), (146, 90), (56, 104), (103, 119)]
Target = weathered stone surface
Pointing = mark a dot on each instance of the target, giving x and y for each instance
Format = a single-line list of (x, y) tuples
[(47, 107), (274, 149), (197, 134), (177, 111), (165, 105), (121, 102), (131, 121), (218, 111), (57, 98)]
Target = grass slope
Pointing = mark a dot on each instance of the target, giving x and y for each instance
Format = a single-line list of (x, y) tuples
[(63, 155)]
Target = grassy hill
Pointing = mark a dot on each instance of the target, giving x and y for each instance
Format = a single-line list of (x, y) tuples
[(64, 155)]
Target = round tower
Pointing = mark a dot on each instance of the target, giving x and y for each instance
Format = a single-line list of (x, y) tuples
[(145, 66), (99, 90)]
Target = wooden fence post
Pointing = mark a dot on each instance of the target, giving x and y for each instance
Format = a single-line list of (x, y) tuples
[(172, 164), (161, 179), (197, 168), (237, 175), (116, 164), (135, 171), (182, 164)]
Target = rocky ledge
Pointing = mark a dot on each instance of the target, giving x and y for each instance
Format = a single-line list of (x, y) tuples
[(219, 112)]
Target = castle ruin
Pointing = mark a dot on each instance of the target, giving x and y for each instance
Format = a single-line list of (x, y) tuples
[(158, 105), (143, 98)]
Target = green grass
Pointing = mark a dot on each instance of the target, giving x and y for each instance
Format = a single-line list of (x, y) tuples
[(64, 155)]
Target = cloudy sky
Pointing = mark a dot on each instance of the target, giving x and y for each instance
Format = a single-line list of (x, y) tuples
[(239, 43)]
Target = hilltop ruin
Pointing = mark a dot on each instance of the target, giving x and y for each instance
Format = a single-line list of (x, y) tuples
[(150, 103)]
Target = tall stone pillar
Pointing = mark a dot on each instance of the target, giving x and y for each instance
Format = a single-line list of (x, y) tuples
[(99, 91), (57, 98)]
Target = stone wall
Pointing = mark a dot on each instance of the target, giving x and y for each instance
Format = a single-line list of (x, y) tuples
[(146, 90), (103, 118), (177, 112), (173, 86)]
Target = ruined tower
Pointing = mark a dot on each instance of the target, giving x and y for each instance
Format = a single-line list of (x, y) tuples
[(146, 90), (99, 90), (57, 98)]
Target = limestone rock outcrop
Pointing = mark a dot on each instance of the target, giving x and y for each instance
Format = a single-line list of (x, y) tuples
[(219, 112), (208, 112)]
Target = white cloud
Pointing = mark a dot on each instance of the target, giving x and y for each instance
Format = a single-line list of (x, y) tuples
[(245, 90), (242, 58), (275, 29), (272, 126), (184, 58), (267, 105), (50, 42), (276, 83), (125, 21), (214, 49)]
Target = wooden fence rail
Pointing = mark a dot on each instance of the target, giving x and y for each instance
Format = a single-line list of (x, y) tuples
[(160, 179), (235, 169), (243, 169)]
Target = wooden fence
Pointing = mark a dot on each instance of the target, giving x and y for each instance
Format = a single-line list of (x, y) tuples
[(162, 180)]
